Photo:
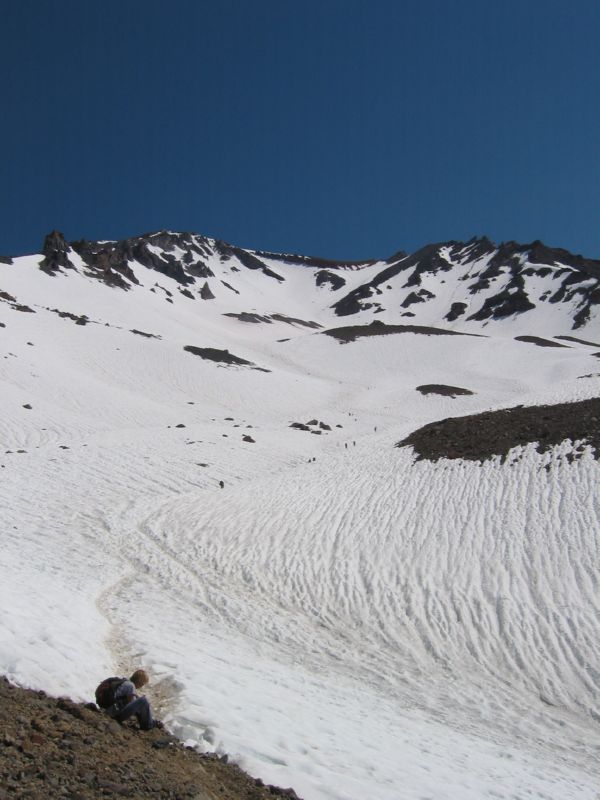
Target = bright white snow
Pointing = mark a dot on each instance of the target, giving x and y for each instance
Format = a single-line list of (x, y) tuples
[(338, 618)]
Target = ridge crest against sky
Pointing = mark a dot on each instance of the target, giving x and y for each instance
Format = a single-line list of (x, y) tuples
[(57, 239), (342, 129)]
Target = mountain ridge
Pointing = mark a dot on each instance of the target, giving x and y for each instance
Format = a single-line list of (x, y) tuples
[(489, 282)]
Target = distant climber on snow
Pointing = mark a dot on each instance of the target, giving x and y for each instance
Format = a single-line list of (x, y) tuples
[(118, 697)]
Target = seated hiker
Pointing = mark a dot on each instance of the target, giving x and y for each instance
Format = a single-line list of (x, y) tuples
[(117, 696)]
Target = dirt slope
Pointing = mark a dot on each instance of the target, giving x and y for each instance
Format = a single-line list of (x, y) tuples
[(54, 748)]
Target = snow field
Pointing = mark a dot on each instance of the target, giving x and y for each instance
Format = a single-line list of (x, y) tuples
[(355, 626), (384, 595)]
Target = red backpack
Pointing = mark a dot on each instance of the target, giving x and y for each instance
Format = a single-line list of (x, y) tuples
[(105, 693)]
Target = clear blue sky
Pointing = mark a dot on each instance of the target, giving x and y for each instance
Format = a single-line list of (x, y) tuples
[(339, 128)]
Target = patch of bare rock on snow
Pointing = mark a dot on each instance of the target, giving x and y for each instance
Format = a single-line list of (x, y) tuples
[(478, 437)]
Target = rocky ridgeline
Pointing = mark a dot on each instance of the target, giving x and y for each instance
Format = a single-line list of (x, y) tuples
[(574, 277), (55, 748), (491, 282)]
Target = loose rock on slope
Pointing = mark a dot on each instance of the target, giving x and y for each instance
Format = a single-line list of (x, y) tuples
[(480, 436), (56, 748)]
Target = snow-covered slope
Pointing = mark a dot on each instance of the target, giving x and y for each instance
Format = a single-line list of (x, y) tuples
[(469, 285), (339, 617)]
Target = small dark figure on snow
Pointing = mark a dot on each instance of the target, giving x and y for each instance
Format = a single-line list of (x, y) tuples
[(118, 697), (222, 484)]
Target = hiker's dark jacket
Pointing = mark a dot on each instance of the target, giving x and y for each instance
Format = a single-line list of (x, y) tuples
[(123, 695)]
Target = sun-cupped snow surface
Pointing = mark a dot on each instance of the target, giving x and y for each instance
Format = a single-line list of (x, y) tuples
[(338, 617), (448, 617)]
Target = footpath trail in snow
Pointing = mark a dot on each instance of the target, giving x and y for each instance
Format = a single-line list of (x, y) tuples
[(461, 579), (339, 617)]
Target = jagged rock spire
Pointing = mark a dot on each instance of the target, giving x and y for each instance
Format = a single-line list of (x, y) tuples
[(55, 252)]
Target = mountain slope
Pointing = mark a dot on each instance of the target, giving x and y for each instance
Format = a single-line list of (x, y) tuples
[(340, 616), (476, 282), (55, 747)]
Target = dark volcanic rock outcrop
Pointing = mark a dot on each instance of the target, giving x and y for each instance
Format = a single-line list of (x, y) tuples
[(248, 316), (326, 277), (572, 273), (314, 261), (55, 252), (578, 341), (351, 333), (146, 335), (442, 389), (110, 260), (248, 259), (205, 292), (417, 297), (508, 267), (456, 311), (221, 357), (539, 341), (295, 321), (481, 436), (428, 259)]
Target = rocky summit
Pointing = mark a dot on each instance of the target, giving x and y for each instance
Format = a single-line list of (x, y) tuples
[(473, 282)]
